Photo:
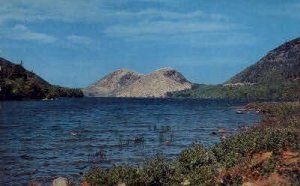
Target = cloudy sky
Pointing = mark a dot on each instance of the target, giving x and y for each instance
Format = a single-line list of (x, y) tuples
[(75, 42)]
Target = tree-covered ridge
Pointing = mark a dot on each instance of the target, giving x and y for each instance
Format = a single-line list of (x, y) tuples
[(279, 66), (275, 76), (17, 83), (280, 91)]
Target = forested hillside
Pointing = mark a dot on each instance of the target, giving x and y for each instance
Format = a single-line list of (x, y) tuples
[(281, 65), (275, 76), (18, 84)]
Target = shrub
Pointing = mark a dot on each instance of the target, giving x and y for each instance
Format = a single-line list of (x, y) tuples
[(276, 139), (196, 156), (125, 174), (206, 175), (232, 180), (269, 166), (97, 176), (158, 171)]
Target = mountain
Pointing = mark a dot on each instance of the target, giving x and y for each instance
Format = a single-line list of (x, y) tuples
[(275, 76), (125, 83), (16, 83), (280, 65), (112, 84)]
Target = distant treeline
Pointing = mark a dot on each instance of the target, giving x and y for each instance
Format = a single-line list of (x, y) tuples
[(271, 91)]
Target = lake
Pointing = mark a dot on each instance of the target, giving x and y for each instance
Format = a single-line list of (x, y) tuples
[(41, 140)]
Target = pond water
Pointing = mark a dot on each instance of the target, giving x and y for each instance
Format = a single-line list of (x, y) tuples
[(41, 140)]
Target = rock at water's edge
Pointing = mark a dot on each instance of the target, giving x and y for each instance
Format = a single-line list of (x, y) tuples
[(60, 182)]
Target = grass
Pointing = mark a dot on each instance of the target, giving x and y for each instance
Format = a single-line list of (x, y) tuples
[(267, 153)]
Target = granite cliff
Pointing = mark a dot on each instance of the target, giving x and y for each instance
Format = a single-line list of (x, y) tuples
[(126, 83)]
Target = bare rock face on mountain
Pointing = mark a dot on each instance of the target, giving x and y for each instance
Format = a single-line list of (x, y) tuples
[(156, 84), (111, 84), (280, 65), (124, 83)]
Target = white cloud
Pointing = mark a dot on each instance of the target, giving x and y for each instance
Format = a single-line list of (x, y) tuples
[(79, 39), (65, 11), (95, 11), (149, 14), (199, 39), (21, 32), (164, 28), (161, 22), (179, 27), (143, 24)]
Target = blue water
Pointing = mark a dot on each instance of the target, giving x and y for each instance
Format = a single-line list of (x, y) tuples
[(40, 140)]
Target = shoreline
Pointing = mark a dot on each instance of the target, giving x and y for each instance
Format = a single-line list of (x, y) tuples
[(169, 129), (267, 153)]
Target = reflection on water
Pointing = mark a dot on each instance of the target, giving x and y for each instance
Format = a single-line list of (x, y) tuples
[(40, 140)]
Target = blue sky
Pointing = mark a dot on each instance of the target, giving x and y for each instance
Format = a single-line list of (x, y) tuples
[(75, 42)]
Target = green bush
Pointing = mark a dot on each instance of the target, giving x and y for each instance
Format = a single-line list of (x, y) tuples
[(269, 166), (206, 175), (158, 171), (118, 174), (125, 174), (259, 139), (232, 180), (97, 176), (196, 156)]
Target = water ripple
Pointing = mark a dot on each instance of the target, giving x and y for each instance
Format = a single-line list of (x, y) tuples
[(42, 140)]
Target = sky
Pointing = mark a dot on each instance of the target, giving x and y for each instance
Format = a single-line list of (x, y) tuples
[(73, 43)]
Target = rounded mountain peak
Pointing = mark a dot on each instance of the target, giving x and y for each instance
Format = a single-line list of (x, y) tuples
[(164, 69), (170, 73), (124, 70), (126, 83)]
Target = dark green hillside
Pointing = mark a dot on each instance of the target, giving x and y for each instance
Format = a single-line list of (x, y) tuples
[(287, 91), (280, 65), (17, 84), (275, 76)]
